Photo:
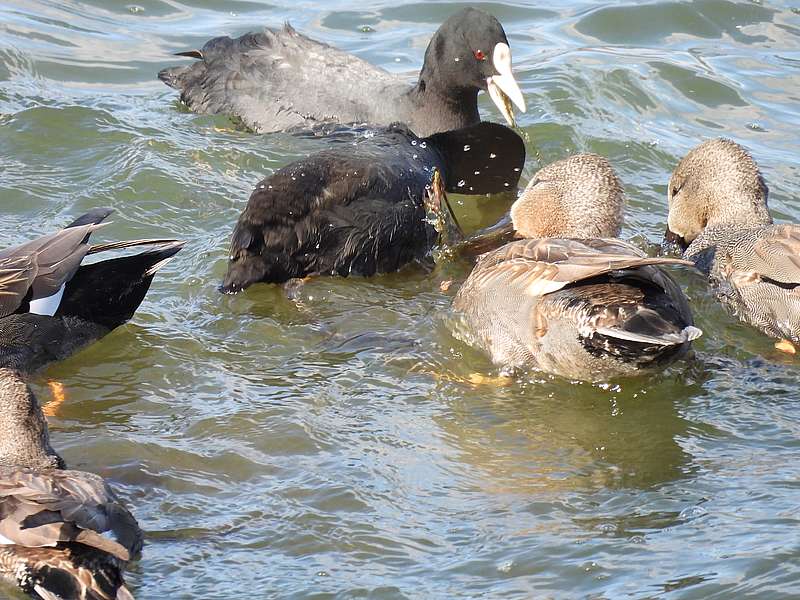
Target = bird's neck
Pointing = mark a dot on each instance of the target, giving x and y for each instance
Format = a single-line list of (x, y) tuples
[(446, 107)]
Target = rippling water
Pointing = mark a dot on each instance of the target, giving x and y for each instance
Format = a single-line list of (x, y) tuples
[(326, 447)]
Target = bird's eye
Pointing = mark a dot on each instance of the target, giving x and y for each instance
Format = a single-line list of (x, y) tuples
[(480, 55)]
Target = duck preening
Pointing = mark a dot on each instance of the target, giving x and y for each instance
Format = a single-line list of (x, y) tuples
[(277, 80), (360, 208), (719, 216), (63, 534), (581, 305), (51, 304)]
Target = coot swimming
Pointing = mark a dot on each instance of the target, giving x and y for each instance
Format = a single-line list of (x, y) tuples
[(361, 208), (277, 80)]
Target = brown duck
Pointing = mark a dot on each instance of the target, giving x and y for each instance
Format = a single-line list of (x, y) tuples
[(63, 534), (569, 300), (718, 214)]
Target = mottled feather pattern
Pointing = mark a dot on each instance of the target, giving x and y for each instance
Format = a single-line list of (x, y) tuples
[(543, 303)]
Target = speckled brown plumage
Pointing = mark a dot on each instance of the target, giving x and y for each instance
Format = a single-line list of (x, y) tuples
[(718, 210), (588, 309), (63, 534)]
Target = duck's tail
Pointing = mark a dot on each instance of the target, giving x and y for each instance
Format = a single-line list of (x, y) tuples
[(687, 334), (109, 292)]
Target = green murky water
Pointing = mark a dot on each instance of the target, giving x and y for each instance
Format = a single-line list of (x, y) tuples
[(325, 448)]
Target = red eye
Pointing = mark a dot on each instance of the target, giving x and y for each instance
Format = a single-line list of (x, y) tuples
[(479, 55)]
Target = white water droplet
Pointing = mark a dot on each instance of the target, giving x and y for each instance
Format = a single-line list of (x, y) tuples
[(507, 184), (505, 567), (493, 155), (415, 156), (423, 144), (462, 183), (516, 169), (413, 142), (477, 172), (467, 147), (457, 59)]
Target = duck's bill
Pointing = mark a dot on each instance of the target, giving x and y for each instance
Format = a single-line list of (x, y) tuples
[(673, 241), (503, 88)]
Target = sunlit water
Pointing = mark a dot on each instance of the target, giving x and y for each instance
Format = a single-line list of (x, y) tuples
[(328, 447)]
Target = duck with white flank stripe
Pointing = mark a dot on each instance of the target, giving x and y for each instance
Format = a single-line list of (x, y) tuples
[(51, 304)]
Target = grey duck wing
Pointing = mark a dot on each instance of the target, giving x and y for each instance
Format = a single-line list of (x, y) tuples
[(64, 534)]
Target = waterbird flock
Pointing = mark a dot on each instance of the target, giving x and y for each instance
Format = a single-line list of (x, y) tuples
[(557, 291)]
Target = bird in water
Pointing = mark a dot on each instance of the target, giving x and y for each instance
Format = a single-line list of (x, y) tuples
[(718, 215), (63, 534), (51, 304), (363, 208), (279, 80), (570, 299)]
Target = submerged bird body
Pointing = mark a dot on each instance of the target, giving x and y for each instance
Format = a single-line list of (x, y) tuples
[(278, 80), (63, 534), (588, 309), (362, 208), (719, 214), (51, 305)]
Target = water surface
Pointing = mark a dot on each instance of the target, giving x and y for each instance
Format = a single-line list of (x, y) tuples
[(328, 448)]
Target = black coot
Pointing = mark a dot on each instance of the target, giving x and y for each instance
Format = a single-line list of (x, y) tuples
[(277, 80), (361, 208)]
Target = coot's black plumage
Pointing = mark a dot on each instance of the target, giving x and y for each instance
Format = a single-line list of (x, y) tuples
[(361, 208), (277, 80), (51, 305)]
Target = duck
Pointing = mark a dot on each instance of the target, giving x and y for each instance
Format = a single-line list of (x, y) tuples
[(569, 298), (63, 533), (52, 305), (365, 207), (719, 217), (280, 80)]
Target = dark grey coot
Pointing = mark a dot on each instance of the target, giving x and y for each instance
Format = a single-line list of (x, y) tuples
[(361, 208), (279, 80)]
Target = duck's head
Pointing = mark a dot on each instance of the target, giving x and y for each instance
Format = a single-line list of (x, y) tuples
[(470, 51), (576, 197), (24, 438), (716, 184)]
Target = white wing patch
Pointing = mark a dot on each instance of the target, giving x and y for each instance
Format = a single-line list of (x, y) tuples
[(48, 306)]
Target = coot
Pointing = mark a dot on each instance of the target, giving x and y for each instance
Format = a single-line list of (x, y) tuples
[(277, 80), (361, 208)]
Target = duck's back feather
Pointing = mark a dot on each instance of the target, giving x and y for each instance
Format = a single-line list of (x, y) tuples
[(588, 309)]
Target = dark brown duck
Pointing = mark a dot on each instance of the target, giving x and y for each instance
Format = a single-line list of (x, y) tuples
[(51, 304)]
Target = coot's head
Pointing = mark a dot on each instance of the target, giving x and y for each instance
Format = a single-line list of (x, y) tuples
[(246, 263), (470, 51)]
